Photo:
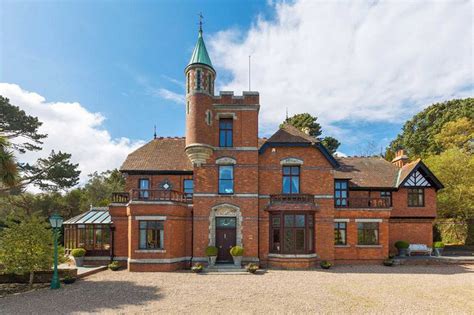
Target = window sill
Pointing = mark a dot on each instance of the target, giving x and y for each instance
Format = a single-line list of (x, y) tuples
[(369, 246), (292, 255), (161, 251), (342, 246)]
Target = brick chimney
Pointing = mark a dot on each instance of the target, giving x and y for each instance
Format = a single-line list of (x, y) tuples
[(400, 158)]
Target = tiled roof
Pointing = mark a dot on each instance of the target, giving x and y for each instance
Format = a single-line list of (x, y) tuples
[(367, 172), (160, 154), (406, 170), (289, 134), (99, 215)]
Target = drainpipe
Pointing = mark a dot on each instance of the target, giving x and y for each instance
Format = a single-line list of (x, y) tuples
[(192, 236)]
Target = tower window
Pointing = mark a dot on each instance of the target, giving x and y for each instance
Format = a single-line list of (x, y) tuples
[(225, 132), (187, 107), (198, 79), (209, 83), (188, 82)]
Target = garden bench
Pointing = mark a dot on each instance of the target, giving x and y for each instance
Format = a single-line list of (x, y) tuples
[(419, 248)]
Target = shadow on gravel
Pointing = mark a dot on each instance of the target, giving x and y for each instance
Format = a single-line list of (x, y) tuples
[(403, 269), (82, 296)]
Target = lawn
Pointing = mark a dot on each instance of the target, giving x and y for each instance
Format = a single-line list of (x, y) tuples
[(405, 289)]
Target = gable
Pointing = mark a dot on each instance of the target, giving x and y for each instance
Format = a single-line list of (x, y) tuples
[(417, 174), (416, 179)]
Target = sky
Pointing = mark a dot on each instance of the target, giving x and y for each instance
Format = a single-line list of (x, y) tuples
[(101, 74)]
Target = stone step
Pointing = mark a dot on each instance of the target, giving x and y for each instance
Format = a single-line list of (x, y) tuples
[(225, 268)]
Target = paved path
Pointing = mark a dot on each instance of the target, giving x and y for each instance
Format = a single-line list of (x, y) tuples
[(348, 289)]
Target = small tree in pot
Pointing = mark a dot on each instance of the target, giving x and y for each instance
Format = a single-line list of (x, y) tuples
[(402, 247), (438, 248), (237, 252), (78, 254), (211, 253)]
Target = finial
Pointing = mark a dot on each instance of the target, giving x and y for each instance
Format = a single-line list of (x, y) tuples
[(200, 21), (154, 132)]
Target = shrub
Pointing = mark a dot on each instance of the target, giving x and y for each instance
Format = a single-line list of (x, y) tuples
[(402, 244), (78, 252), (325, 264), (198, 267), (391, 256), (252, 268), (211, 251), (237, 251), (388, 262), (438, 245), (68, 279), (114, 266)]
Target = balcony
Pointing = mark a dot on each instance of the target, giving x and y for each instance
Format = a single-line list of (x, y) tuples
[(151, 195), (291, 198), (363, 202)]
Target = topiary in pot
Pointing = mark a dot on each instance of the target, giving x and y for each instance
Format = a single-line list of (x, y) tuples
[(237, 252), (78, 254), (197, 268), (211, 252), (252, 268), (438, 248), (114, 266), (402, 247), (325, 264)]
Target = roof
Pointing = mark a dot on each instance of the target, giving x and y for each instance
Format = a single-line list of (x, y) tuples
[(96, 215), (160, 154), (200, 54), (289, 134), (367, 172)]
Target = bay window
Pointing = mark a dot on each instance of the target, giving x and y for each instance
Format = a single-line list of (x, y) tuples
[(291, 233)]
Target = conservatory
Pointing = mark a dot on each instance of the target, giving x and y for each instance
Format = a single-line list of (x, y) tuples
[(92, 230)]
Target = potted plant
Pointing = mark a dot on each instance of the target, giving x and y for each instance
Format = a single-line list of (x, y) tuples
[(68, 279), (325, 264), (78, 254), (197, 268), (388, 262), (114, 266), (402, 247), (438, 248), (211, 253), (237, 252), (252, 268)]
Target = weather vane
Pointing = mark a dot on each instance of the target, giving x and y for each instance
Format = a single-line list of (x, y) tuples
[(200, 21)]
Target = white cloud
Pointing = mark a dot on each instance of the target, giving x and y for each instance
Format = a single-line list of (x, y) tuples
[(170, 95), (73, 129), (351, 60)]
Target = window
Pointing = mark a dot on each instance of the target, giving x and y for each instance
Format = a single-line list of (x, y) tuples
[(198, 79), (187, 107), (208, 117), (367, 233), (188, 82), (226, 179), (144, 186), (416, 197), (151, 235), (225, 132), (341, 193), (209, 83), (387, 195), (291, 179), (340, 233), (89, 236), (188, 188), (291, 233)]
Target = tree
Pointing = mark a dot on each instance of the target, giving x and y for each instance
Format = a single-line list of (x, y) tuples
[(26, 247), (303, 121), (457, 134), (331, 144), (455, 168), (8, 166), (55, 172), (418, 134), (307, 123)]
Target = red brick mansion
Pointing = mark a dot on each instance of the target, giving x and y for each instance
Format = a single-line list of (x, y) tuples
[(286, 200)]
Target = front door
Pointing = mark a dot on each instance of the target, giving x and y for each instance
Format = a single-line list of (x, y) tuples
[(225, 238)]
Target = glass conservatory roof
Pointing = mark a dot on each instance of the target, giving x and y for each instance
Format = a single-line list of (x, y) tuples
[(96, 215)]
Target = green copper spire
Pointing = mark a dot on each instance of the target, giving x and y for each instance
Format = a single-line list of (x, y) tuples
[(200, 54)]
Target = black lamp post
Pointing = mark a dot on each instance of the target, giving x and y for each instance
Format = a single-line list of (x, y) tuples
[(56, 222)]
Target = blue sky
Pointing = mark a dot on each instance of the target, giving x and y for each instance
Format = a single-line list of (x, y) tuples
[(112, 70)]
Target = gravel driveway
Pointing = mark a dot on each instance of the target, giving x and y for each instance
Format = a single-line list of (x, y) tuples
[(406, 289)]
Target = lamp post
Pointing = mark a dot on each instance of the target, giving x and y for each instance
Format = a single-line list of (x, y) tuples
[(56, 222)]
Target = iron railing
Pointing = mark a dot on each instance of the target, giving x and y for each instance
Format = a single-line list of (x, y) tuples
[(291, 198), (363, 202), (151, 195)]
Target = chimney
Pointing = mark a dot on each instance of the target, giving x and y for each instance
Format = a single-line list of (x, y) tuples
[(400, 158)]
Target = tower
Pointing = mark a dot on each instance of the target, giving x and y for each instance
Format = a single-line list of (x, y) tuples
[(200, 76)]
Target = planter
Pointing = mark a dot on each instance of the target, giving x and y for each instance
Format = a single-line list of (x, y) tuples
[(237, 261), (212, 260), (402, 252), (79, 261), (438, 251), (69, 280)]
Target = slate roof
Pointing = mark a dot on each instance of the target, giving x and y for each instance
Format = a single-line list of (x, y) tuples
[(160, 154), (96, 215), (370, 172), (290, 134)]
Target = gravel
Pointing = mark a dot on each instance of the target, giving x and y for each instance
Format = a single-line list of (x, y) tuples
[(342, 289)]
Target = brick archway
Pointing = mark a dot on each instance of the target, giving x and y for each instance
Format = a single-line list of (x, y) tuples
[(225, 210)]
